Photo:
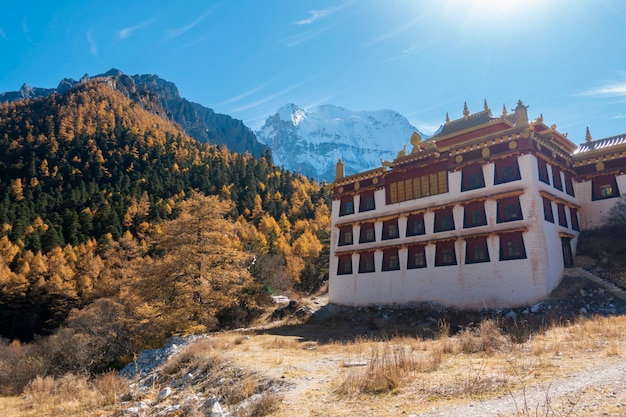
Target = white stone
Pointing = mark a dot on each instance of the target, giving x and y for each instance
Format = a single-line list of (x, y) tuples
[(164, 393)]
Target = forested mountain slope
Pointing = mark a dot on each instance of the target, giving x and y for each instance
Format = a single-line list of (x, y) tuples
[(94, 193), (161, 97)]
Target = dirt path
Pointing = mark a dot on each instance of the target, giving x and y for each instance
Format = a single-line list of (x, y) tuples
[(599, 390)]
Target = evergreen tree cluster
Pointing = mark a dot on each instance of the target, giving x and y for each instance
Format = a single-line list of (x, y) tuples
[(91, 162)]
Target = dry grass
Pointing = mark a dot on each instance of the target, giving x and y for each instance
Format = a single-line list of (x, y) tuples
[(68, 395), (362, 375), (386, 368)]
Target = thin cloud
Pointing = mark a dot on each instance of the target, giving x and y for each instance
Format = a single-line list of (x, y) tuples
[(395, 31), (249, 92), (3, 35), (315, 15), (93, 47), (268, 98), (295, 40), (612, 89), (620, 116), (26, 31), (176, 32), (130, 31), (405, 53)]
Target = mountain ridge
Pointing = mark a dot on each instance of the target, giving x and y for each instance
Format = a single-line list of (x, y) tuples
[(199, 122)]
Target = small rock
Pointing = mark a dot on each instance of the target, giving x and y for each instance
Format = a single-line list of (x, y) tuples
[(164, 393), (535, 308), (511, 315), (168, 410), (583, 310)]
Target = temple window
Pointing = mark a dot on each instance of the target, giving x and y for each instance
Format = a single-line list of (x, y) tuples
[(548, 215), (604, 186), (561, 210), (415, 225), (345, 265), (509, 209), (574, 216), (390, 260), (474, 214), (417, 187), (543, 171), (345, 235), (417, 257), (368, 233), (445, 253), (347, 206), (556, 178), (367, 201), (444, 220), (366, 262), (507, 170), (512, 246), (476, 250), (472, 177), (569, 185), (390, 229)]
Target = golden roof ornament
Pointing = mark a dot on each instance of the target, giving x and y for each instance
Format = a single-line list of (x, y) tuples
[(485, 106), (540, 118), (521, 114), (588, 137), (504, 112), (415, 140), (339, 170), (447, 118), (466, 112), (402, 152)]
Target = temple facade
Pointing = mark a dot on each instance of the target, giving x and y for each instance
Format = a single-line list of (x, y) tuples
[(486, 213)]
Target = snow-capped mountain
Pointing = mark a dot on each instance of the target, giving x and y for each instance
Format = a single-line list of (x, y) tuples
[(311, 141)]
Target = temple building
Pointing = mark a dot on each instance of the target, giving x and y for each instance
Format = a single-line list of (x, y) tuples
[(485, 213)]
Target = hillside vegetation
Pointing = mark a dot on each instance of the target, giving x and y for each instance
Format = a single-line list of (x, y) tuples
[(117, 230)]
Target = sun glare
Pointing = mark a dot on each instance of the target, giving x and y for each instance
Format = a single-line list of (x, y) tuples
[(501, 7), (486, 15)]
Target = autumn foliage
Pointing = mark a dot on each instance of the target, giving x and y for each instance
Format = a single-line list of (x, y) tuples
[(117, 230)]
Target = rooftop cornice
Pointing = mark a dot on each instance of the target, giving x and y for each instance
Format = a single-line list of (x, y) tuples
[(595, 148), (372, 173)]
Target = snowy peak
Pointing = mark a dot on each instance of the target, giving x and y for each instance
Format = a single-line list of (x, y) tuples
[(291, 112), (311, 140)]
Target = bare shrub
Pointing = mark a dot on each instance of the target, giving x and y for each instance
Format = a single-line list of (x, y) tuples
[(19, 364), (71, 392), (486, 338), (385, 370), (267, 404), (239, 391), (433, 360), (111, 387)]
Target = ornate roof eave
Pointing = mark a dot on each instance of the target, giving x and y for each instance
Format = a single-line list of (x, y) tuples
[(472, 129), (555, 135), (376, 172), (414, 156), (604, 147), (596, 153)]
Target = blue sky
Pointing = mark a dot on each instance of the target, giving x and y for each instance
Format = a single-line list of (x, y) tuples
[(566, 59)]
